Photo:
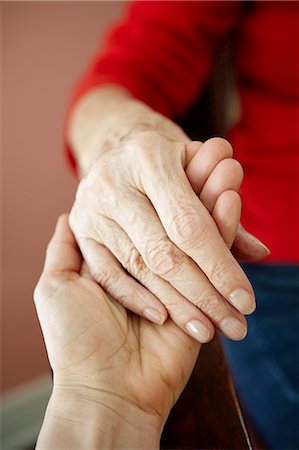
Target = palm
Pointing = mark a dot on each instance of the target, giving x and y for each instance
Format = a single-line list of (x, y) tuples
[(89, 334)]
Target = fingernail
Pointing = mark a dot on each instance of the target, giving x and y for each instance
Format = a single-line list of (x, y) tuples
[(242, 300), (154, 316), (256, 241), (200, 332), (233, 328)]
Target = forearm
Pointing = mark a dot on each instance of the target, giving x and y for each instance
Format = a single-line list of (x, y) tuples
[(105, 116), (88, 421)]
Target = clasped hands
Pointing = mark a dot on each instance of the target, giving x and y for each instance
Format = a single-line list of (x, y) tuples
[(156, 247), (116, 374)]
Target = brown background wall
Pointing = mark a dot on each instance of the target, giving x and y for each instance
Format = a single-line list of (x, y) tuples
[(45, 45)]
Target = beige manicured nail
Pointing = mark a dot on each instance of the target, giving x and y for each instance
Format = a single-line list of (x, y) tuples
[(154, 316), (242, 300), (200, 332), (233, 328), (256, 241)]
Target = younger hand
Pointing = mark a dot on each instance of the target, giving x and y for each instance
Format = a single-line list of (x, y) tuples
[(100, 353)]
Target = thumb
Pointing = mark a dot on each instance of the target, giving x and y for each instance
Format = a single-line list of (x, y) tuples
[(63, 254)]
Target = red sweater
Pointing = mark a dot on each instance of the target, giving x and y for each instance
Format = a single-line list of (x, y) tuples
[(164, 53)]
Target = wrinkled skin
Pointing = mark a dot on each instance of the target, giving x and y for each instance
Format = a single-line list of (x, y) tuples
[(120, 225)]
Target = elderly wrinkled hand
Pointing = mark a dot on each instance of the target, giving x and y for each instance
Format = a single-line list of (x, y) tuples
[(123, 236), (147, 237)]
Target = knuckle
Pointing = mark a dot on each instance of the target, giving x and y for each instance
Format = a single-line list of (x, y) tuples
[(221, 274), (109, 280), (161, 258), (123, 298), (184, 226), (186, 229), (105, 276), (134, 264), (174, 307), (211, 305)]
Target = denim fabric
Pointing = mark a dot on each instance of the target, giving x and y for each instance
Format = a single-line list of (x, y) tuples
[(265, 365)]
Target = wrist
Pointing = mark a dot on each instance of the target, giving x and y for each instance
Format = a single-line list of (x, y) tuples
[(105, 117), (91, 418)]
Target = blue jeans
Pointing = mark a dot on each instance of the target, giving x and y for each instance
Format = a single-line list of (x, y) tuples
[(265, 365)]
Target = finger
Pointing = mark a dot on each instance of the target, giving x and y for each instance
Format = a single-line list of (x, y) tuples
[(109, 273), (205, 159), (248, 248), (226, 213), (180, 310), (217, 193), (189, 318), (226, 176), (189, 226), (62, 252), (112, 277), (184, 314), (165, 260)]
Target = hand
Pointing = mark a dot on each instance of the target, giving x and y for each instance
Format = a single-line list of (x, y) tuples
[(103, 357), (187, 282), (140, 225)]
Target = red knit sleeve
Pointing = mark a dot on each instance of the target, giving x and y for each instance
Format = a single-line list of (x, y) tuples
[(162, 51)]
